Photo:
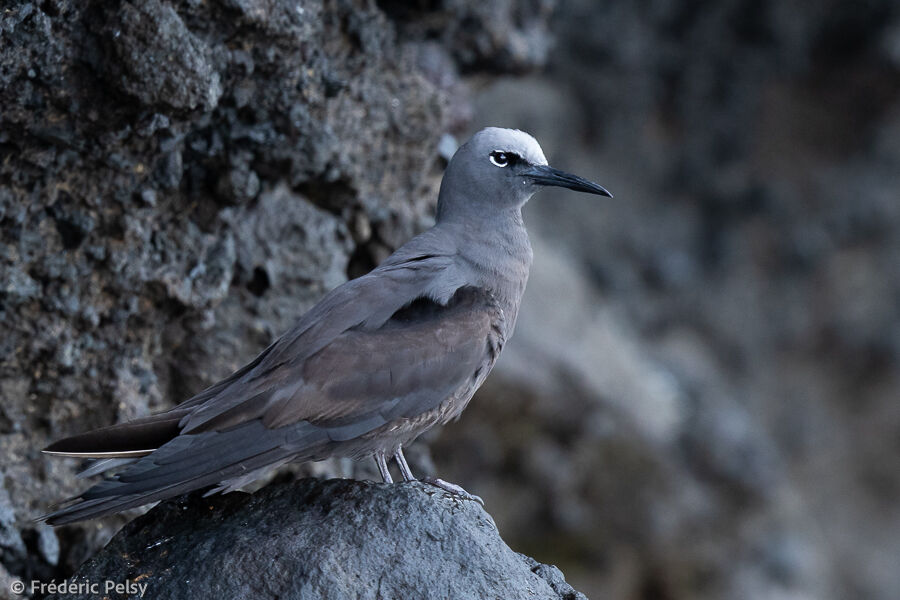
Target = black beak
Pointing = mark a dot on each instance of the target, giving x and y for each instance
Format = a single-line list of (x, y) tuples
[(546, 175)]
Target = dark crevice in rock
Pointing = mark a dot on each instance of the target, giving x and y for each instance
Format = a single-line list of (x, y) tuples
[(259, 283)]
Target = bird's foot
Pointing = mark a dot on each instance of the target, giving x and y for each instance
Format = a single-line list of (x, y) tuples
[(452, 488)]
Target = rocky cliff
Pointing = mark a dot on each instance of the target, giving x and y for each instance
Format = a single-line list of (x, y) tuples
[(179, 181)]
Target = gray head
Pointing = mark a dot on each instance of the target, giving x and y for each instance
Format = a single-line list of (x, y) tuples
[(497, 170)]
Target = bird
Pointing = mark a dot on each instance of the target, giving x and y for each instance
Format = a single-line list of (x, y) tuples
[(378, 361)]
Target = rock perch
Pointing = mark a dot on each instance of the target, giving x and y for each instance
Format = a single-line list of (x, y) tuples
[(320, 539)]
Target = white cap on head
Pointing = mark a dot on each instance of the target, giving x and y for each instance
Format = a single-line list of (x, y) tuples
[(513, 141)]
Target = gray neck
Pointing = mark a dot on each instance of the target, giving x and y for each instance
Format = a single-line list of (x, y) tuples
[(497, 254)]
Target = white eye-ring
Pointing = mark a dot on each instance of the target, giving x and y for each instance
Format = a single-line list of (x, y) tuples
[(500, 159)]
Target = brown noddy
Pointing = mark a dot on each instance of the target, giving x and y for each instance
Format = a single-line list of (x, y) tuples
[(375, 363)]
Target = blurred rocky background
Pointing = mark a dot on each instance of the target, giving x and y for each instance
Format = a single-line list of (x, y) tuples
[(702, 399)]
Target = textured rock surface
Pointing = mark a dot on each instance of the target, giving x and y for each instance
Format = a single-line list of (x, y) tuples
[(179, 181), (322, 539), (704, 404)]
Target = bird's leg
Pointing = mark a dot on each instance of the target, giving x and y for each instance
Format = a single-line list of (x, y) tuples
[(383, 468), (404, 467), (438, 483)]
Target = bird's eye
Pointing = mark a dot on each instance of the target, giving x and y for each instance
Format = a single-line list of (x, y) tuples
[(501, 159)]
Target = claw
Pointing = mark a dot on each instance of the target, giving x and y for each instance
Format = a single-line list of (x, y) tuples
[(452, 488), (438, 483)]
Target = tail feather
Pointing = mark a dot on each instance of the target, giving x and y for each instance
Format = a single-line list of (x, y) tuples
[(125, 440), (91, 508), (193, 461)]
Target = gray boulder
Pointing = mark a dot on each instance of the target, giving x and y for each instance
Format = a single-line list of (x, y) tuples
[(318, 539)]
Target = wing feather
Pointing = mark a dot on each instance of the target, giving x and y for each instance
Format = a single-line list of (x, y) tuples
[(278, 387), (365, 378)]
